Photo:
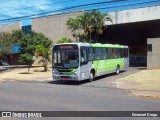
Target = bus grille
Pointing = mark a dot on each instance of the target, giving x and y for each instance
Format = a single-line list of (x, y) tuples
[(64, 70), (65, 77)]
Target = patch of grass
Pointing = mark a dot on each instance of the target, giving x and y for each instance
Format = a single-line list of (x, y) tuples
[(145, 80)]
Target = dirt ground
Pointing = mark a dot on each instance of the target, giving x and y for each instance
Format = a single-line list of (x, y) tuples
[(145, 83), (36, 73)]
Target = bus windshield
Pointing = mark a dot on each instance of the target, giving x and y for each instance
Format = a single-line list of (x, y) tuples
[(65, 59)]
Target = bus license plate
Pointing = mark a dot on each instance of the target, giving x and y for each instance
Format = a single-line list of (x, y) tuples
[(64, 79)]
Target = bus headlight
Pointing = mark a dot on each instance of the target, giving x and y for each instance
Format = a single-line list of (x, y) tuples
[(55, 72), (75, 73)]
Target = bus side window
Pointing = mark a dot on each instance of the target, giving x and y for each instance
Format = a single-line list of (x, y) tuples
[(121, 53), (98, 52), (126, 52), (104, 53), (84, 56), (107, 53), (118, 53), (110, 53), (91, 54)]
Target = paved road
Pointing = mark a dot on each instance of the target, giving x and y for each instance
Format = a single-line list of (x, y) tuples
[(100, 95)]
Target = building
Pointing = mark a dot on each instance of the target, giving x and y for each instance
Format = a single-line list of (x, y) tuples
[(10, 27), (56, 27), (138, 28)]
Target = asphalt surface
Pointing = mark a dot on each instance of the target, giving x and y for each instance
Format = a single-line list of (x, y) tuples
[(99, 95)]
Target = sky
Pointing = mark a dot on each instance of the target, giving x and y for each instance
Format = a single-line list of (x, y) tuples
[(25, 10)]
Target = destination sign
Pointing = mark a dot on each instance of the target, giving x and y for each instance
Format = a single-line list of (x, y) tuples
[(66, 47)]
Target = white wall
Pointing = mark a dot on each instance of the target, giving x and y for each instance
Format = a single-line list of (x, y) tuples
[(136, 15)]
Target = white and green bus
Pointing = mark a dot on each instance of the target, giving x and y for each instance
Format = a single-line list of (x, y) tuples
[(81, 61)]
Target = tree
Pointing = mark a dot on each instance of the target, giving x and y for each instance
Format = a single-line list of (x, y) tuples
[(89, 22), (5, 44), (26, 58), (64, 40), (99, 24), (45, 54), (74, 26), (8, 40), (28, 44), (16, 35)]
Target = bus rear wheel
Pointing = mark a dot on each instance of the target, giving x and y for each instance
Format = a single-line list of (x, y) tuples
[(91, 76), (117, 70)]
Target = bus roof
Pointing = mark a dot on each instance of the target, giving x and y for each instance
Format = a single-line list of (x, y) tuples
[(97, 45), (108, 45)]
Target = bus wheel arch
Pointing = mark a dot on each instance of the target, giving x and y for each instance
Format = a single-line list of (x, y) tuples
[(117, 69), (92, 75)]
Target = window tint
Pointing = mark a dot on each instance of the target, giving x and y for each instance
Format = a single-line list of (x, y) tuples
[(124, 52), (26, 29), (103, 54), (84, 56), (99, 53), (91, 54), (107, 53), (110, 53), (117, 53)]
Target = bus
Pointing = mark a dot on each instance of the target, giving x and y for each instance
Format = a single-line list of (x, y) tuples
[(82, 61)]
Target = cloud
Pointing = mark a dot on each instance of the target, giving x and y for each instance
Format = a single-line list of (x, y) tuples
[(19, 8)]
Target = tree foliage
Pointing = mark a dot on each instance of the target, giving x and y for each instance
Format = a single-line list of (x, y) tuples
[(45, 54), (89, 22), (7, 40), (5, 43), (74, 25), (17, 35), (26, 58), (64, 40), (28, 44)]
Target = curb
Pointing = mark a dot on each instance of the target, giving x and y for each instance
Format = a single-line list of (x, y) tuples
[(147, 96)]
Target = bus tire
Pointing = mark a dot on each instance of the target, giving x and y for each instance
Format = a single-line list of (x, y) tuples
[(91, 76), (117, 70)]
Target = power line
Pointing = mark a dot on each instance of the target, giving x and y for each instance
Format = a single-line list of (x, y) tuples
[(70, 8), (37, 6), (134, 4), (53, 11)]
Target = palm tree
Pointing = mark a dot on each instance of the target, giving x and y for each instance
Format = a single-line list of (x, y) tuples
[(89, 22), (100, 26), (96, 22), (64, 40), (73, 24), (45, 54)]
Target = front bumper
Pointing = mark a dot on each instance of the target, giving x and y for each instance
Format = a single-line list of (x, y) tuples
[(65, 77)]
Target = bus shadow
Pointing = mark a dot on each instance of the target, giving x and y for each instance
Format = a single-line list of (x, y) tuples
[(107, 75), (76, 83), (62, 82)]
